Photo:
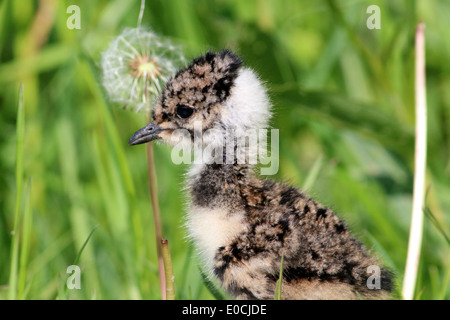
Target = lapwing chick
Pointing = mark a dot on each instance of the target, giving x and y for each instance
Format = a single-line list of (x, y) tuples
[(243, 223)]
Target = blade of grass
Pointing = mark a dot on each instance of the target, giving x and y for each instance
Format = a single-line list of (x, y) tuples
[(278, 286), (25, 244), (415, 236), (185, 269), (383, 252), (313, 173), (212, 288), (77, 259), (20, 132), (386, 258), (359, 296), (335, 45), (429, 214)]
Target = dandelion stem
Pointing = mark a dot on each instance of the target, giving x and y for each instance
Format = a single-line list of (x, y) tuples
[(156, 215), (141, 13), (415, 236), (168, 269)]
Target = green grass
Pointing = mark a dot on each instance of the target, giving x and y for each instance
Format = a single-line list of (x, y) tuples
[(279, 287), (17, 212), (343, 100)]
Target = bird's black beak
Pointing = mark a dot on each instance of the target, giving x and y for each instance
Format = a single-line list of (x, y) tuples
[(148, 133)]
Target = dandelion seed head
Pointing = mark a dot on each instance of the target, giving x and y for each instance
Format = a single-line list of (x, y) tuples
[(136, 66)]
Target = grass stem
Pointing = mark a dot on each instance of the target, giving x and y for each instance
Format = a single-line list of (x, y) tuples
[(156, 215), (416, 230), (168, 269)]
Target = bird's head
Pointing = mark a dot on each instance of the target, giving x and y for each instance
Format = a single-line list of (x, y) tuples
[(214, 92)]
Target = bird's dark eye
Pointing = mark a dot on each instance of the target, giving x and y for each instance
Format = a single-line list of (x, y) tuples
[(184, 111)]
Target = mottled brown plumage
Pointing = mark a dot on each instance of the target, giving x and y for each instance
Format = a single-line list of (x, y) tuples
[(242, 224)]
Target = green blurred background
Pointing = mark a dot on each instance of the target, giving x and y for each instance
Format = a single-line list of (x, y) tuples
[(343, 98)]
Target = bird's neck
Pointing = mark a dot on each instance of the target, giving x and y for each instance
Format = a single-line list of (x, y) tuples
[(218, 184), (221, 172)]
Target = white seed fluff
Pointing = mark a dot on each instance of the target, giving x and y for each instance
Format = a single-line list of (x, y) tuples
[(136, 65)]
